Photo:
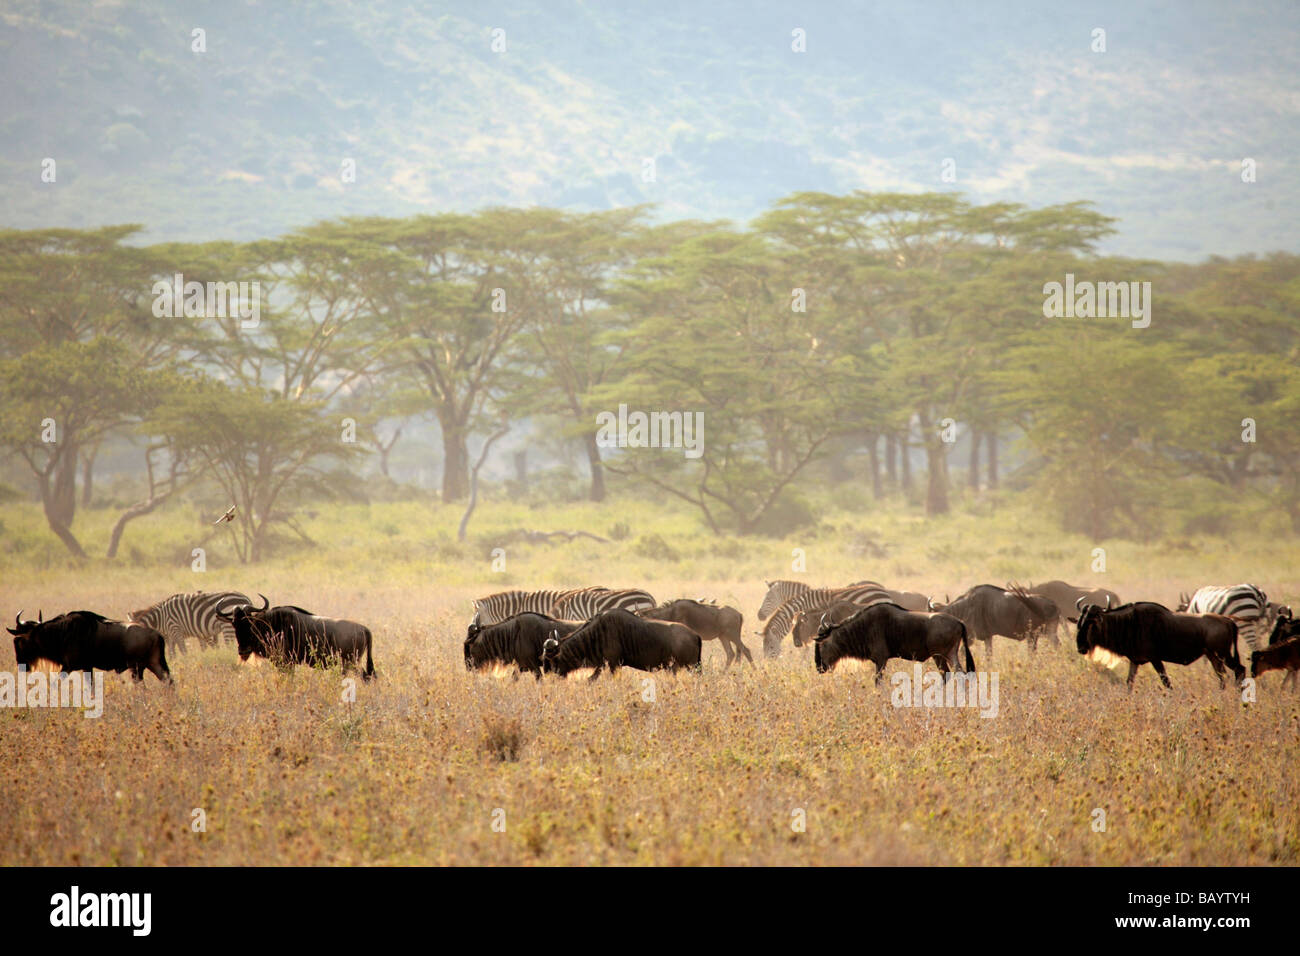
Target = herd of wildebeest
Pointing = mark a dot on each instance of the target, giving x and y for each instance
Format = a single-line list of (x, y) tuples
[(559, 631)]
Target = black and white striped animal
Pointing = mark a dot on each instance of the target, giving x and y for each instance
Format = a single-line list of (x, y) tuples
[(196, 614), (504, 605), (588, 603), (783, 620), (778, 592), (1244, 603)]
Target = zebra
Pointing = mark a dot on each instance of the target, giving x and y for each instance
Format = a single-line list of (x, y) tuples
[(778, 592), (504, 605), (784, 618), (1244, 603), (589, 602), (183, 616)]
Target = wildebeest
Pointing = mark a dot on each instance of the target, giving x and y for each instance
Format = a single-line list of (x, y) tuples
[(291, 635), (517, 640), (620, 638), (883, 631), (987, 609), (1150, 633), (1068, 597), (84, 640), (707, 620), (1285, 628), (1284, 655)]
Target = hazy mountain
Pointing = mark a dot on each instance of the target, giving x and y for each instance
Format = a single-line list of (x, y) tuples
[(248, 138)]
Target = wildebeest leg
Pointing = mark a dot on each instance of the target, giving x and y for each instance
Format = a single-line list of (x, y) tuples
[(944, 665), (988, 646), (1160, 669), (880, 669), (744, 650), (137, 672), (726, 646), (1132, 673), (1218, 668)]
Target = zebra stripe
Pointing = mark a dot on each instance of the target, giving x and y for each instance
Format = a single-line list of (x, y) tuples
[(503, 605), (1244, 603), (778, 592), (183, 616), (585, 605), (784, 618)]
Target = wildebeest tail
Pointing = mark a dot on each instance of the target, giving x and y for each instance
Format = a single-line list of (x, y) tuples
[(370, 664), (1020, 595), (965, 643)]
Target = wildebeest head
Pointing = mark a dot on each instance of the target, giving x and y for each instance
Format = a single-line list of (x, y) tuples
[(826, 654), (471, 635), (26, 641), (252, 630), (549, 647), (1089, 621)]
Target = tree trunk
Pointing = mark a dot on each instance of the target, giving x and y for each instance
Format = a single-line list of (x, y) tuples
[(973, 476), (904, 454), (873, 463), (597, 469), (936, 491), (521, 469), (54, 513), (455, 463), (59, 497), (891, 459), (88, 475), (991, 443)]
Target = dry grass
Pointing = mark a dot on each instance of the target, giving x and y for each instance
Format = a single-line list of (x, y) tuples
[(709, 772)]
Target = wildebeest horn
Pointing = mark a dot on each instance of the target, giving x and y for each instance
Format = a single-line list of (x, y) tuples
[(1108, 602), (266, 603), (40, 616), (1079, 603), (18, 618)]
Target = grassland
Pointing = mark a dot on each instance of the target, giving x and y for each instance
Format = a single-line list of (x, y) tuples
[(427, 758)]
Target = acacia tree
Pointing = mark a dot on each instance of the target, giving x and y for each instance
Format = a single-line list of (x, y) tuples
[(909, 274), (445, 292), (67, 297), (259, 447), (564, 263), (58, 397), (719, 338)]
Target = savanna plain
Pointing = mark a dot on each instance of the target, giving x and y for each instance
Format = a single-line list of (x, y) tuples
[(752, 765)]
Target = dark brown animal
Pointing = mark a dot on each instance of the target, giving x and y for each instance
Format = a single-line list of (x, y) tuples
[(1150, 633), (619, 638), (883, 631), (1285, 655), (85, 641), (710, 621)]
